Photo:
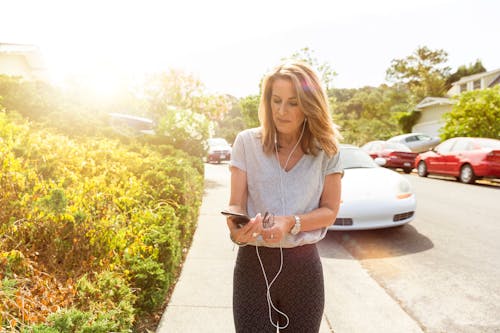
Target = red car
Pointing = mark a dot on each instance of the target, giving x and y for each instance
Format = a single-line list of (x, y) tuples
[(466, 159), (396, 155)]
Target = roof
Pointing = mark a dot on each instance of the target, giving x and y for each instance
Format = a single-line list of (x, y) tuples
[(431, 101), (495, 81), (17, 48), (30, 52), (476, 76)]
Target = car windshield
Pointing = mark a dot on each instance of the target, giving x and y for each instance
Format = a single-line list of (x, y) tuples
[(217, 142), (396, 146), (356, 158)]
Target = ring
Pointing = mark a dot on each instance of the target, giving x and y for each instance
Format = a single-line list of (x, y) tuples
[(255, 234)]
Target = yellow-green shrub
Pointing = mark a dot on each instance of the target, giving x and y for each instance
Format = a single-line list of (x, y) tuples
[(78, 205)]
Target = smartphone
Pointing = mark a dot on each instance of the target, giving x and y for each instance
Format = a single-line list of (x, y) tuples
[(239, 219)]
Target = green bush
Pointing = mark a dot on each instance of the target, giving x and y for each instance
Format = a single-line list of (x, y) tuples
[(475, 114), (107, 218)]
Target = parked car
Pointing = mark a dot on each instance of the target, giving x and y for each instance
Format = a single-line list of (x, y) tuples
[(417, 142), (396, 155), (218, 150), (466, 159), (130, 125), (372, 197)]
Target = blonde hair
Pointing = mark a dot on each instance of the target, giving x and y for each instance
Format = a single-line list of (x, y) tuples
[(320, 131)]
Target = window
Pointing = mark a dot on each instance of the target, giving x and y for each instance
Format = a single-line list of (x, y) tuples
[(445, 147), (477, 84), (424, 138), (463, 87), (462, 145), (411, 138)]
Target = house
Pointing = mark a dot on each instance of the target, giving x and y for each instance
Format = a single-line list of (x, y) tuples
[(22, 60), (433, 108), (474, 82)]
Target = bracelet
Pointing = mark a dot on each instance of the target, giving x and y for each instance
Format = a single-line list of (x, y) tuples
[(235, 241)]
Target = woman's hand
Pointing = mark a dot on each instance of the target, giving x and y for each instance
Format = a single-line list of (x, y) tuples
[(279, 230), (246, 234)]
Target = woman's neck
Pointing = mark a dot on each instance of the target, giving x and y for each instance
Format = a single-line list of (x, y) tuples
[(288, 140)]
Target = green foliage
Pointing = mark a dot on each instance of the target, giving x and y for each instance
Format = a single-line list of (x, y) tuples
[(184, 91), (366, 114), (76, 321), (185, 130), (55, 202), (423, 73), (12, 263), (46, 104), (463, 70), (250, 110), (150, 279), (123, 211), (476, 114), (107, 293), (231, 123), (408, 119)]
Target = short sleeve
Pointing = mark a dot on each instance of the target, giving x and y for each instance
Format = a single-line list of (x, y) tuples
[(238, 153), (334, 165)]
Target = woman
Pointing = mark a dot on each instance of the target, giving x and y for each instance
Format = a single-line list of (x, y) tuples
[(286, 175)]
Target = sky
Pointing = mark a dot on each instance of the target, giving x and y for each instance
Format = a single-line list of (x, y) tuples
[(230, 44)]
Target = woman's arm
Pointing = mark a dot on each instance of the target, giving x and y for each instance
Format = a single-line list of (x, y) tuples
[(238, 204), (239, 191), (321, 217)]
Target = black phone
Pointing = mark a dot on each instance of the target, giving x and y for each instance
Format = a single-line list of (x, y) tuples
[(239, 219)]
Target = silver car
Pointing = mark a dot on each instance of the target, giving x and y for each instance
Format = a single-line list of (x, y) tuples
[(417, 142)]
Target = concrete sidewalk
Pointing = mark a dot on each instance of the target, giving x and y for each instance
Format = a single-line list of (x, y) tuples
[(202, 298)]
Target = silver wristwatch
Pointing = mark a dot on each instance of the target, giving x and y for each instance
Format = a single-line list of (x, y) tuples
[(296, 228)]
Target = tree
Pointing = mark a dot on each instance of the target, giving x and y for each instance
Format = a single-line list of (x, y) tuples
[(475, 114), (231, 123), (422, 72), (367, 113), (182, 90), (463, 70), (250, 110), (184, 129)]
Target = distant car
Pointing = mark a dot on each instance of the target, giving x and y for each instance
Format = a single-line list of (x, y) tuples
[(131, 125), (396, 155), (466, 159), (372, 197), (417, 142), (218, 150)]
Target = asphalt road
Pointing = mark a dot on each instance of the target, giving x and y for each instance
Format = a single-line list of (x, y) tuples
[(442, 268)]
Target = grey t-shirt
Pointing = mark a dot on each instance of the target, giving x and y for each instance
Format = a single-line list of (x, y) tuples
[(272, 189)]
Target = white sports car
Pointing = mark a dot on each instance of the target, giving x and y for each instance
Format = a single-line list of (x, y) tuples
[(372, 197)]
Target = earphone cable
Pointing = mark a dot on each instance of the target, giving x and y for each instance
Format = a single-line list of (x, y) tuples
[(270, 303)]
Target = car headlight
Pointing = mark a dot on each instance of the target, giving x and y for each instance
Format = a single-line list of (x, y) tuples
[(404, 189)]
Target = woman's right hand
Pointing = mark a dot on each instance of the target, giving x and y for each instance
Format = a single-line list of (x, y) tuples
[(246, 234)]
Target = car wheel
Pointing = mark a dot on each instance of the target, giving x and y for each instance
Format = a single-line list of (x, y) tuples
[(422, 169), (407, 170), (467, 174)]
